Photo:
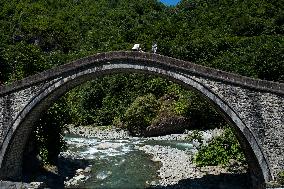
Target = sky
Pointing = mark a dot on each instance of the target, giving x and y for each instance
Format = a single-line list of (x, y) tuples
[(170, 2)]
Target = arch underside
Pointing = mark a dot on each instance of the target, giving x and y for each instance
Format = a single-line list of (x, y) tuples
[(17, 137)]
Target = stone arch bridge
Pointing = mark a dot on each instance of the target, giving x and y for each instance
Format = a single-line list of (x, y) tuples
[(254, 108)]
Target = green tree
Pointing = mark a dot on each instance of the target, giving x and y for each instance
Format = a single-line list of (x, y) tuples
[(140, 113)]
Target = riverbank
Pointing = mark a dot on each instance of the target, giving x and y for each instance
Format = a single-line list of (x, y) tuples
[(179, 171)]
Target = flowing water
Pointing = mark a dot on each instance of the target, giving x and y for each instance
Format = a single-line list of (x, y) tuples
[(117, 163)]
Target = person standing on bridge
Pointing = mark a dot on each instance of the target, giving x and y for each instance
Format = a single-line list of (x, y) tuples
[(154, 48)]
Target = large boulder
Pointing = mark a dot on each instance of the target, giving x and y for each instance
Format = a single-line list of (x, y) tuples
[(167, 125)]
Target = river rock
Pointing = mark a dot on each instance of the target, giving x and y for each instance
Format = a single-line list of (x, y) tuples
[(107, 145), (88, 170), (79, 171), (80, 177), (169, 125)]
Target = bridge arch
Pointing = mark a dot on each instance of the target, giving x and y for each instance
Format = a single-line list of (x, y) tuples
[(11, 154)]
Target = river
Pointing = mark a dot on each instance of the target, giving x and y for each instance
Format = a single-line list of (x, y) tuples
[(128, 163)]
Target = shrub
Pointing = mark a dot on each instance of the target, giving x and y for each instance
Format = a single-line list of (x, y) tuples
[(220, 150)]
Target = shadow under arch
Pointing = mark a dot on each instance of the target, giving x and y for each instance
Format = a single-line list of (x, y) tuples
[(17, 137)]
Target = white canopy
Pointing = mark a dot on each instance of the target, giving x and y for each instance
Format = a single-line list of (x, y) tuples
[(136, 47)]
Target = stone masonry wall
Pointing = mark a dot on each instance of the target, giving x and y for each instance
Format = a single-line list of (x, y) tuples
[(12, 104)]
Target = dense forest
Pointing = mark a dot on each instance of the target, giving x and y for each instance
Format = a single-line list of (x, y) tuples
[(244, 37)]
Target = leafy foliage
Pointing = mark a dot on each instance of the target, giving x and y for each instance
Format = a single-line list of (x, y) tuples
[(48, 133), (140, 113), (245, 37), (106, 100), (220, 150), (101, 100)]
